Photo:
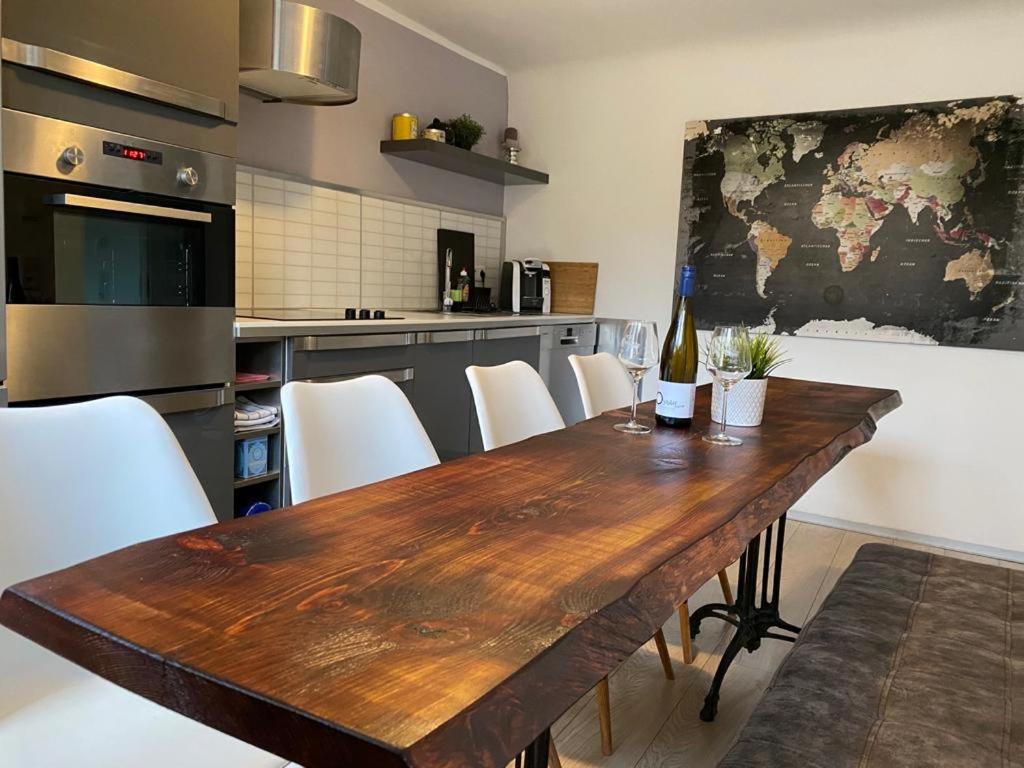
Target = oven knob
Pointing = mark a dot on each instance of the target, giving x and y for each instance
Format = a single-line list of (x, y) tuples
[(73, 155), (188, 176)]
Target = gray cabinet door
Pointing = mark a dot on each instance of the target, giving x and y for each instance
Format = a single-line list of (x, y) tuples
[(207, 438), (496, 351), (442, 398)]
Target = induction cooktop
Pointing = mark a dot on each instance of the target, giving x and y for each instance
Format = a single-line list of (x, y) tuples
[(350, 313)]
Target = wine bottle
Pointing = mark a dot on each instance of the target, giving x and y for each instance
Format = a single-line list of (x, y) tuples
[(677, 381)]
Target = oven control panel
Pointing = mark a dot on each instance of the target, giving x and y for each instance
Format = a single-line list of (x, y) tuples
[(44, 146)]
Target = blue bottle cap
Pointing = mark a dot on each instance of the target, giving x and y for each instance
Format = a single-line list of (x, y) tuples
[(688, 280)]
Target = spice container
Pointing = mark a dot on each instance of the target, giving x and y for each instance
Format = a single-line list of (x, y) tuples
[(404, 126)]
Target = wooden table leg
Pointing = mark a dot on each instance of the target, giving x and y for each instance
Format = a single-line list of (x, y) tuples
[(553, 760), (723, 579), (684, 633), (666, 660), (604, 716)]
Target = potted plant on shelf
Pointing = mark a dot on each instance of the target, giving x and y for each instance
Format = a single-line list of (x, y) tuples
[(746, 398), (465, 131)]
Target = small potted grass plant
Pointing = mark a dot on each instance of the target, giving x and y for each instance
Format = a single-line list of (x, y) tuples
[(746, 398)]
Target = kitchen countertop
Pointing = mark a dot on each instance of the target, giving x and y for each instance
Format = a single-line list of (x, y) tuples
[(250, 327)]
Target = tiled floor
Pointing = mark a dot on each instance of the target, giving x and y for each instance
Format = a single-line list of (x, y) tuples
[(654, 720)]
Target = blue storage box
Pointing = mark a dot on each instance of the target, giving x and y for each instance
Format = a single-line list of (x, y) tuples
[(251, 457)]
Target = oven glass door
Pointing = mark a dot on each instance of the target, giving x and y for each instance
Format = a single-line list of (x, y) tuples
[(69, 243)]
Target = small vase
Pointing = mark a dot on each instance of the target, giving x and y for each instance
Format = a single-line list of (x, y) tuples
[(746, 403)]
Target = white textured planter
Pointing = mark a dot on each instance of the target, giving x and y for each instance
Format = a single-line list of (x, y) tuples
[(746, 403)]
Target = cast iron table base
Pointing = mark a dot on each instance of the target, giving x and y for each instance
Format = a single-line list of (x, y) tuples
[(753, 622)]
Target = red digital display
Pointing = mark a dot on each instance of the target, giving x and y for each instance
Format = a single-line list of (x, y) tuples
[(132, 153)]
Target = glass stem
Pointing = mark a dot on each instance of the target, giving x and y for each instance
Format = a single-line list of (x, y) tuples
[(725, 409), (636, 396)]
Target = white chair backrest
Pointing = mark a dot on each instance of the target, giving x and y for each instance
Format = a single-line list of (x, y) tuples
[(512, 403), (604, 383), (345, 434), (78, 481)]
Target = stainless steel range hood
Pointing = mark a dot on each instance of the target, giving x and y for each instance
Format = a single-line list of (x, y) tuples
[(296, 53)]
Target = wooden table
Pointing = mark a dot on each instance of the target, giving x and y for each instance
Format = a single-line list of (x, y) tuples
[(447, 617)]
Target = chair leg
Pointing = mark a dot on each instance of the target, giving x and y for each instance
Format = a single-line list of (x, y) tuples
[(723, 579), (553, 760), (684, 633), (666, 660), (604, 716)]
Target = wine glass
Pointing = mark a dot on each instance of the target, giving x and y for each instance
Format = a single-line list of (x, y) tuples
[(728, 362), (639, 351)]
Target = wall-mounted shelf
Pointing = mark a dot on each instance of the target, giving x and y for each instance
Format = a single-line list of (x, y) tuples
[(456, 160)]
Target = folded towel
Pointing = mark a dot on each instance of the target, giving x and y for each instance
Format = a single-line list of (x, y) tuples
[(257, 422), (249, 426), (250, 378), (246, 410)]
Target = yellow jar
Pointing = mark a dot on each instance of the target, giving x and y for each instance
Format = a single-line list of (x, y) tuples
[(404, 126)]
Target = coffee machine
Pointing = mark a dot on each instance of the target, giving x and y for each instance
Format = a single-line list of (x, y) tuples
[(525, 286)]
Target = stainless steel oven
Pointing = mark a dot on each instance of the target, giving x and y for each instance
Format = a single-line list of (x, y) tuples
[(119, 261), (119, 279), (119, 136)]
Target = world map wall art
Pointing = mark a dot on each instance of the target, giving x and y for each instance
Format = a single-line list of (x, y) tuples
[(900, 223)]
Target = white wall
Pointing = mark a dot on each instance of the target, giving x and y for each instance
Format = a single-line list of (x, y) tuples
[(948, 463)]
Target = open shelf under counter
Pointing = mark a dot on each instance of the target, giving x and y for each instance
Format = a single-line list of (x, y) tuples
[(274, 382), (463, 161), (247, 481), (274, 430)]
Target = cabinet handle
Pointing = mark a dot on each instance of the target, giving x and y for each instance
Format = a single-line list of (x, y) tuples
[(443, 337), (397, 375), (326, 343), (190, 400), (507, 333)]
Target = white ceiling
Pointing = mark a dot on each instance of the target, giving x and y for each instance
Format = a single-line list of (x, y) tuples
[(520, 34)]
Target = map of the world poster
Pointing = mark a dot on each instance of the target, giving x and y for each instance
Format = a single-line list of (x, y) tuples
[(897, 223)]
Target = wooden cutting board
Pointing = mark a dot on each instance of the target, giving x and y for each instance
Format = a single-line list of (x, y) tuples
[(573, 286)]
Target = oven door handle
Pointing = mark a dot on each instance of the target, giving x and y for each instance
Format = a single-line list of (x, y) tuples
[(123, 206), (190, 400)]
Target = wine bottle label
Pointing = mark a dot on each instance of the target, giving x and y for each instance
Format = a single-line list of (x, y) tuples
[(675, 400)]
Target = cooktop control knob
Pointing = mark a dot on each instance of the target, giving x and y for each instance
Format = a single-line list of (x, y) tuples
[(73, 155), (364, 314), (378, 314), (188, 176), (350, 313)]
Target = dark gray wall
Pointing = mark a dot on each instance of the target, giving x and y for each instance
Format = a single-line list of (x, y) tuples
[(400, 71)]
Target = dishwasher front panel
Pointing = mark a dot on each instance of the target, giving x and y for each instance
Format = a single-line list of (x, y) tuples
[(557, 343)]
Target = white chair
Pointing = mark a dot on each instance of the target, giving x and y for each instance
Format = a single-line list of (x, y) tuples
[(605, 386), (78, 481), (604, 383), (512, 403), (345, 434)]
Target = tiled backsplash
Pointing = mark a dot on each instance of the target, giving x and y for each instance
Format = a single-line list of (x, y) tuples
[(303, 246)]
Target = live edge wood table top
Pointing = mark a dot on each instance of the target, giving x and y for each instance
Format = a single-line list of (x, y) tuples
[(447, 617)]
